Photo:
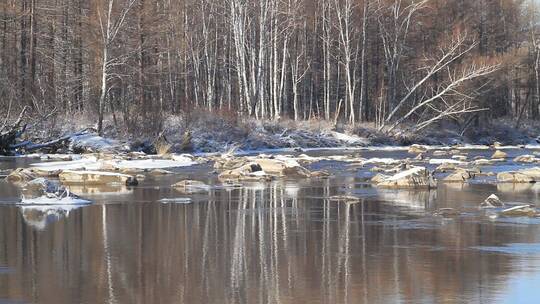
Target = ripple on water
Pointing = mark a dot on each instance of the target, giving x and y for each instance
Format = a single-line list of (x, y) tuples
[(528, 249), (5, 270)]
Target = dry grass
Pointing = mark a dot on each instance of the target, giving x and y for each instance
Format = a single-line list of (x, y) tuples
[(163, 148)]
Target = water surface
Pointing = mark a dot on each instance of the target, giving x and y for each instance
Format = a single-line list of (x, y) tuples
[(279, 242)]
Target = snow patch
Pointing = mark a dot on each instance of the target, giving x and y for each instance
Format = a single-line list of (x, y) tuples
[(381, 161), (406, 173), (88, 163), (155, 163), (177, 200), (94, 142), (445, 161)]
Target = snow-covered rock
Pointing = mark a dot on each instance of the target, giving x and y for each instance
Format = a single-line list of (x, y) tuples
[(191, 186), (417, 177), (530, 175)]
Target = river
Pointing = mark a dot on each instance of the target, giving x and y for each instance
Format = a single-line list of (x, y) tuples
[(278, 242)]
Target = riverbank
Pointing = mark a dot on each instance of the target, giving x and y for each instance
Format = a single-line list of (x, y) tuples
[(206, 132)]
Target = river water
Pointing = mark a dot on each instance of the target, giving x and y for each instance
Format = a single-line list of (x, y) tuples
[(279, 242)]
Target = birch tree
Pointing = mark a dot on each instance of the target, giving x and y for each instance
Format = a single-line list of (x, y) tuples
[(110, 26)]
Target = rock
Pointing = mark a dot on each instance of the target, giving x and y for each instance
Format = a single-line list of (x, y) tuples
[(248, 172), (21, 175), (459, 157), (133, 171), (377, 169), (417, 149), (320, 174), (38, 187), (447, 212), (530, 175), (440, 153), (417, 177), (460, 176), (519, 211), (483, 162), (96, 178), (229, 163), (492, 201), (419, 157), (348, 199), (191, 186), (157, 172), (499, 155), (445, 167), (379, 178), (282, 168), (526, 159)]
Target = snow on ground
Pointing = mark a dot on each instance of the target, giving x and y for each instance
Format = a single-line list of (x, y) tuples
[(83, 163), (349, 139), (154, 163), (94, 142), (92, 163)]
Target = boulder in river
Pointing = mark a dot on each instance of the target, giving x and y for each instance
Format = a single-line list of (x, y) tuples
[(379, 178), (445, 167), (248, 172), (282, 168), (21, 176), (520, 211), (417, 149), (348, 199), (526, 159), (38, 187), (96, 178), (440, 153), (530, 175), (492, 201), (191, 186), (447, 212), (320, 174), (417, 177), (499, 155), (460, 176)]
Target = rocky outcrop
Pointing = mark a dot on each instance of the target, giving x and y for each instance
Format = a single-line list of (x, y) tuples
[(96, 178)]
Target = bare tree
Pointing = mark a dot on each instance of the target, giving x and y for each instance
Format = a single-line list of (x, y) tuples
[(110, 26), (432, 92)]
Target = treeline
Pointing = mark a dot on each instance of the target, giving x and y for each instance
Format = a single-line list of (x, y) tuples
[(391, 62)]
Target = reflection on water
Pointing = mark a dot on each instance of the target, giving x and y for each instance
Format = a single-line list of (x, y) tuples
[(39, 216), (282, 242), (274, 244)]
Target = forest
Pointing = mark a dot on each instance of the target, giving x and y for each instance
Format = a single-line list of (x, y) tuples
[(394, 64)]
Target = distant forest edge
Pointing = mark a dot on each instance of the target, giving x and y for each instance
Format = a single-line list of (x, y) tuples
[(393, 63)]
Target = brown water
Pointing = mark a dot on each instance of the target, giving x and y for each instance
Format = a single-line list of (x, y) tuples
[(281, 242)]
